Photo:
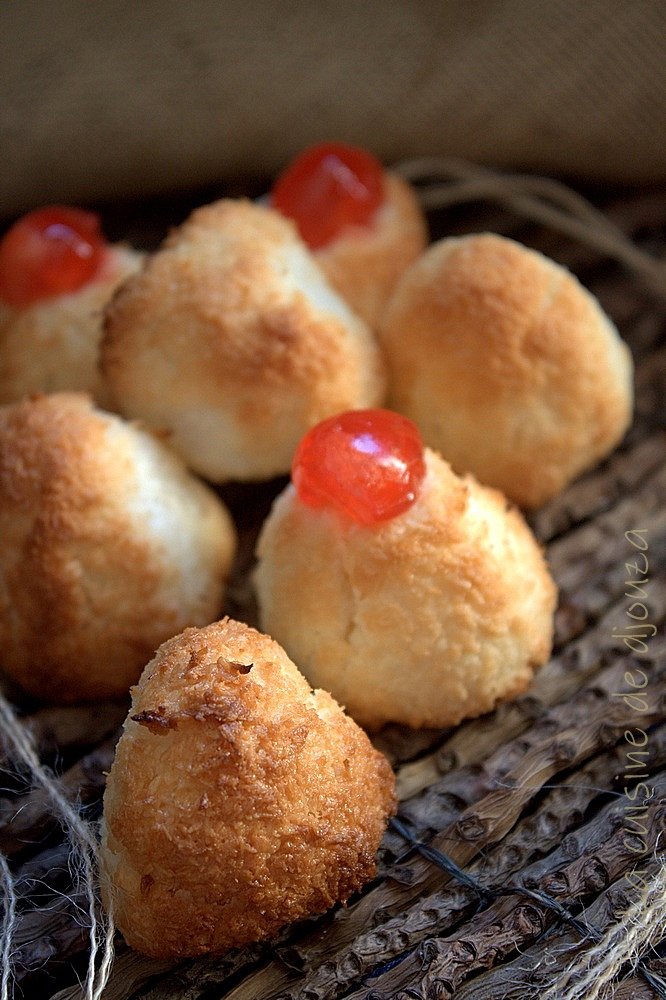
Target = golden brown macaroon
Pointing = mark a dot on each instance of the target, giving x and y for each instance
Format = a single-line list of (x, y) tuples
[(232, 341), (53, 345), (507, 364), (425, 619), (108, 546), (239, 800), (365, 263)]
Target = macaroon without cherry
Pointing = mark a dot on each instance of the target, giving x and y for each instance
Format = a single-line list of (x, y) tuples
[(108, 546), (239, 799), (57, 272), (412, 594), (232, 342), (507, 364), (363, 223)]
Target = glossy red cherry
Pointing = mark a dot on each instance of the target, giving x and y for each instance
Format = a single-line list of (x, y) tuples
[(367, 465), (49, 252), (327, 188)]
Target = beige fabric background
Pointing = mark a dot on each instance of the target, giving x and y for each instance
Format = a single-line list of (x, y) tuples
[(117, 98)]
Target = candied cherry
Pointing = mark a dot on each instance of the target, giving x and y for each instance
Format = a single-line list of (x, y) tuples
[(327, 188), (367, 465), (49, 252)]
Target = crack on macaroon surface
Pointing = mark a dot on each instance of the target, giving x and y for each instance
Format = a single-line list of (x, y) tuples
[(242, 792)]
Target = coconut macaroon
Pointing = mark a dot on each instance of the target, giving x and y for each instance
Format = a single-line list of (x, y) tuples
[(53, 345), (57, 272), (425, 618), (239, 800), (363, 223), (108, 546), (365, 263), (232, 341), (507, 364)]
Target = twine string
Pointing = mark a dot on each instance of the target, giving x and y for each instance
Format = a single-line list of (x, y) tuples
[(83, 862), (614, 949), (9, 917), (445, 182), (442, 860), (624, 943)]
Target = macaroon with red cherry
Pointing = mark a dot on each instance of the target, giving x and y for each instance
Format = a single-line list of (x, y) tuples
[(412, 594), (57, 272)]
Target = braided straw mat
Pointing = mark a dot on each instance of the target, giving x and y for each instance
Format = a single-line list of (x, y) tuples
[(516, 867)]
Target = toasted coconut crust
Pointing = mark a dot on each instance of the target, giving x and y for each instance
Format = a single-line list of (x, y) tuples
[(107, 547), (426, 619), (507, 364), (53, 345), (365, 264), (232, 340), (239, 800)]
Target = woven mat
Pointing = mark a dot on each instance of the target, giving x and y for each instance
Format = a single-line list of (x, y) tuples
[(528, 799)]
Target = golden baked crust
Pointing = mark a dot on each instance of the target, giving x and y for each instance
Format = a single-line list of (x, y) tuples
[(239, 800), (426, 619), (507, 364), (107, 547), (231, 340), (53, 345), (365, 265)]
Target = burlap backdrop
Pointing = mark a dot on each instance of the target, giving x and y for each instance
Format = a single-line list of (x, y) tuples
[(116, 98)]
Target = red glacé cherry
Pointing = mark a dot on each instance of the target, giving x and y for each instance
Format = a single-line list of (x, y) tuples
[(49, 252), (367, 465), (327, 188)]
